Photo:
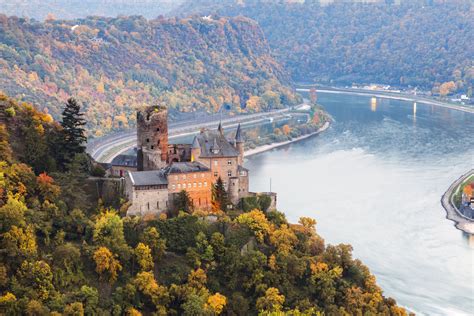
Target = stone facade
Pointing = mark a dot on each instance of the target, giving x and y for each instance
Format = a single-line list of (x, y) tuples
[(152, 138), (146, 197)]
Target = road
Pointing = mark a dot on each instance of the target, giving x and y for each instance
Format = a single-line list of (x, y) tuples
[(107, 148), (391, 95), (462, 222)]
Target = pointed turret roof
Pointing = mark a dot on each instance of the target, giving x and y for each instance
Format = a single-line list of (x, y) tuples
[(196, 143), (220, 129), (238, 135)]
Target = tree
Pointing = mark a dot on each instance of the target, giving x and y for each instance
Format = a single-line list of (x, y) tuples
[(106, 263), (220, 199), (217, 303), (151, 238), (272, 301), (108, 232), (73, 123), (12, 214), (182, 202), (283, 239), (146, 283), (20, 242), (144, 258), (47, 188), (257, 222), (37, 277)]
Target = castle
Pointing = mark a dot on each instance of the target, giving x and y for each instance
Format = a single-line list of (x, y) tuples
[(162, 170)]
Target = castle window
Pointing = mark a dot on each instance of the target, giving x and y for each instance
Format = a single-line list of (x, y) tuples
[(229, 162), (158, 204), (179, 186), (216, 162), (147, 140), (148, 205), (189, 185), (184, 177), (205, 183), (158, 129), (215, 174), (158, 143), (202, 175), (152, 147), (174, 186), (194, 184), (225, 184), (229, 173), (195, 176), (200, 184)]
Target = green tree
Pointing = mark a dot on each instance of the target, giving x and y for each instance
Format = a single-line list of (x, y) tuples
[(73, 123), (151, 238), (182, 202), (220, 198), (272, 301)]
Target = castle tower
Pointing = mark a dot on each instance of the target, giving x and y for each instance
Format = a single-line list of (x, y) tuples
[(152, 137), (239, 145)]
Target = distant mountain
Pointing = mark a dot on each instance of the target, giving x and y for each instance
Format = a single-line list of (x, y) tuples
[(420, 43), (117, 64), (71, 9)]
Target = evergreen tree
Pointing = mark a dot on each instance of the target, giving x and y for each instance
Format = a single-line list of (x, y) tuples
[(183, 202), (220, 199), (73, 130)]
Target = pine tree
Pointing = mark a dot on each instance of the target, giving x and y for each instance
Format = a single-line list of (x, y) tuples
[(220, 199), (73, 130), (183, 202)]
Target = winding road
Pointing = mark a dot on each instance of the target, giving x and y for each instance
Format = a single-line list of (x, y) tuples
[(107, 148)]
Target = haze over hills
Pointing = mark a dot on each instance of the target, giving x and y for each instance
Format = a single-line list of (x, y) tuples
[(117, 64), (70, 9), (421, 43)]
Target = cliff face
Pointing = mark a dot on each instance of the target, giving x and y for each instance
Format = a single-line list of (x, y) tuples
[(117, 64)]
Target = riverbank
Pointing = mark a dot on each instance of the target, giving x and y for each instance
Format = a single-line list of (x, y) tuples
[(264, 148), (452, 213), (391, 95)]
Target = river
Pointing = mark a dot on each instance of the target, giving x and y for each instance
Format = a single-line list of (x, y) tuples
[(375, 180)]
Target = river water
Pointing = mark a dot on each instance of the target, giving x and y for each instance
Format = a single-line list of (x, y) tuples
[(375, 180)]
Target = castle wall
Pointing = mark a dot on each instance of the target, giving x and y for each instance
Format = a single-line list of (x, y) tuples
[(148, 200), (197, 184), (223, 167)]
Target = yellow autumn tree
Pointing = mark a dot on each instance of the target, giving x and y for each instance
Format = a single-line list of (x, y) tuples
[(106, 263), (144, 258), (286, 129), (272, 301), (257, 222), (216, 303)]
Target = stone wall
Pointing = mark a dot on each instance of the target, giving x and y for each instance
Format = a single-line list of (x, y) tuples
[(152, 137)]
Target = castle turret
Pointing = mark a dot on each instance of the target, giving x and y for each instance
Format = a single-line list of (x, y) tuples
[(220, 129), (195, 149), (152, 137), (239, 145)]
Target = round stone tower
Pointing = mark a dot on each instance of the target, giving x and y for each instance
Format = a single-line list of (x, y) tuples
[(152, 137)]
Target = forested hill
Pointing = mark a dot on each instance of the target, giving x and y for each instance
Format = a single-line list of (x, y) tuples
[(72, 9), (66, 253), (114, 65), (409, 44)]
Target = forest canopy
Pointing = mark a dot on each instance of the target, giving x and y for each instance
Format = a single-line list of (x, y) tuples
[(419, 43), (114, 65)]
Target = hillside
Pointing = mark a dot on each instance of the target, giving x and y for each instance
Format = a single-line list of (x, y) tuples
[(413, 44), (114, 65), (66, 253), (72, 9)]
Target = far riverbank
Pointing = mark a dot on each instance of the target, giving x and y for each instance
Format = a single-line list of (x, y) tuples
[(390, 95), (264, 148), (452, 213)]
